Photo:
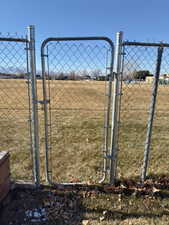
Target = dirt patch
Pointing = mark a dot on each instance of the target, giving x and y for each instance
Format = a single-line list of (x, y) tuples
[(128, 200), (41, 207)]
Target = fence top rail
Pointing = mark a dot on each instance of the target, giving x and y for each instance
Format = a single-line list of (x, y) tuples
[(77, 39), (24, 40), (133, 43)]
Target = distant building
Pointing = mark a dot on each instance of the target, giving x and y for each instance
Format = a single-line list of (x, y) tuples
[(149, 79), (163, 79), (86, 77)]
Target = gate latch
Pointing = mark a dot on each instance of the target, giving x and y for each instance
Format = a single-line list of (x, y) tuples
[(42, 102)]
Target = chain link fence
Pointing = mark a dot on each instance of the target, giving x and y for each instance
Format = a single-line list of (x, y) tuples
[(15, 105), (77, 105), (158, 165), (18, 118), (139, 68)]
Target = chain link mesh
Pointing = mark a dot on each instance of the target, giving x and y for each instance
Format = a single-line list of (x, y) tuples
[(159, 150), (15, 107), (77, 92), (135, 105)]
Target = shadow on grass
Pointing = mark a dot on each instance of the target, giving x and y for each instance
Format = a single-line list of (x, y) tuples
[(97, 203), (120, 215)]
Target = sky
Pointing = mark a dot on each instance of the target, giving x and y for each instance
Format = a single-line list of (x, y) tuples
[(140, 20)]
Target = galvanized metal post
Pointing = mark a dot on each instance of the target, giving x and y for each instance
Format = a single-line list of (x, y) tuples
[(151, 114), (114, 131), (107, 119), (34, 119)]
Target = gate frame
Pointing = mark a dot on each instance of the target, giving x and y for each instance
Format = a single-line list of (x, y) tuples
[(106, 155)]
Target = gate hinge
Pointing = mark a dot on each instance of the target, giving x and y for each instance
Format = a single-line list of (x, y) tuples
[(109, 68), (108, 157), (42, 102), (115, 75), (44, 55), (109, 126)]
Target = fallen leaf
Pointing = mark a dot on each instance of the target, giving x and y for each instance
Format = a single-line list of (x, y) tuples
[(102, 218), (155, 190), (123, 186), (105, 212), (86, 222)]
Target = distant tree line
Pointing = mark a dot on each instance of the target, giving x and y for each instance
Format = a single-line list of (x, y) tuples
[(71, 75), (137, 75), (81, 75), (13, 75)]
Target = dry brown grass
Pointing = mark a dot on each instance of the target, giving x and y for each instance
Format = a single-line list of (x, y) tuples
[(77, 115), (77, 121), (77, 137), (134, 116)]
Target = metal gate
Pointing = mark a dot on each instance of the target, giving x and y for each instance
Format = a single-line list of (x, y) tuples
[(137, 103), (77, 89)]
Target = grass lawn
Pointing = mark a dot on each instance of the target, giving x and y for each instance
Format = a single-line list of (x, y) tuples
[(76, 140)]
